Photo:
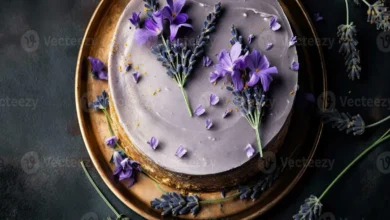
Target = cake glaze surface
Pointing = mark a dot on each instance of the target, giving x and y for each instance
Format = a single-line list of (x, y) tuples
[(144, 112)]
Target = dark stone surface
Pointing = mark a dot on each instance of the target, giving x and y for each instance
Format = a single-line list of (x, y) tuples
[(47, 135)]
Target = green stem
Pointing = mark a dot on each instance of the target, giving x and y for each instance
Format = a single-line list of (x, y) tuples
[(378, 123), (109, 120), (365, 2), (376, 143), (159, 187), (98, 190), (259, 142), (186, 99), (347, 8), (210, 201)]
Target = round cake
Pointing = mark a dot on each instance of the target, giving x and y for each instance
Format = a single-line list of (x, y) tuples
[(154, 107)]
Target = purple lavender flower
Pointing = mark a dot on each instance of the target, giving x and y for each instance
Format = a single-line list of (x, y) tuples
[(209, 124), (260, 69), (214, 99), (293, 41), (214, 76), (269, 46), (250, 38), (135, 19), (207, 61), (112, 141), (172, 12), (318, 17), (250, 151), (136, 76), (180, 152), (226, 113), (153, 28), (98, 68), (295, 66), (153, 143), (199, 110), (232, 63), (273, 24), (125, 168), (101, 101)]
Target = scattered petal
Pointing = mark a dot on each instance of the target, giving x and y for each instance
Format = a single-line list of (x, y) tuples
[(98, 69), (112, 141), (226, 113), (207, 61), (273, 24), (209, 124), (318, 17), (180, 152), (250, 151), (295, 66), (199, 110), (136, 76), (153, 143), (250, 38), (128, 67), (269, 46), (214, 99), (293, 41)]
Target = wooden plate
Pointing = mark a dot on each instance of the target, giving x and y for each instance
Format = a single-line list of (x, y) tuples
[(301, 141)]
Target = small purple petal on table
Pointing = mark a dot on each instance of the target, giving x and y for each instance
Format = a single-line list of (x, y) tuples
[(209, 124), (214, 99), (318, 17), (207, 61), (214, 76), (292, 41), (269, 46), (250, 151), (153, 143), (199, 110), (136, 76), (180, 152), (112, 141), (295, 66), (128, 67), (273, 24), (98, 69), (223, 193), (250, 38), (226, 113)]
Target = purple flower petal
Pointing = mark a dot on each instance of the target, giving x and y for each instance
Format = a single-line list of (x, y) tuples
[(98, 69), (181, 18), (207, 61), (226, 113), (295, 66), (153, 143), (175, 28), (237, 81), (214, 99), (292, 41), (180, 152), (209, 124), (135, 19), (260, 69), (269, 46), (136, 76), (143, 35), (199, 110), (318, 17), (117, 158), (250, 151), (178, 5), (250, 38), (112, 141), (153, 28), (214, 76), (273, 24)]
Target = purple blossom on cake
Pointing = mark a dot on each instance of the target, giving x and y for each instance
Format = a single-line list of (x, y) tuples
[(125, 168), (274, 24), (250, 38), (250, 151), (153, 28), (260, 69), (136, 76), (214, 99), (231, 63), (153, 143), (318, 17), (292, 41), (112, 141), (172, 12), (269, 46), (199, 110), (209, 124), (207, 61), (135, 19), (98, 68), (181, 151), (226, 113), (295, 66)]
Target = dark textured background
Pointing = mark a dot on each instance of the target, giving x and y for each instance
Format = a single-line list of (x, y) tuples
[(46, 135)]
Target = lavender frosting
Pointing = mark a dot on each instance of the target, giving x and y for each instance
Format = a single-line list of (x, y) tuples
[(155, 106)]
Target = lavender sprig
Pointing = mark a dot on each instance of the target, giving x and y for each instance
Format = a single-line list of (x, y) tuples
[(176, 204), (378, 14), (150, 7)]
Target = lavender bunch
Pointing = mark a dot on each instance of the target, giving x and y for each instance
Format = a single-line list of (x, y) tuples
[(176, 204), (347, 33)]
